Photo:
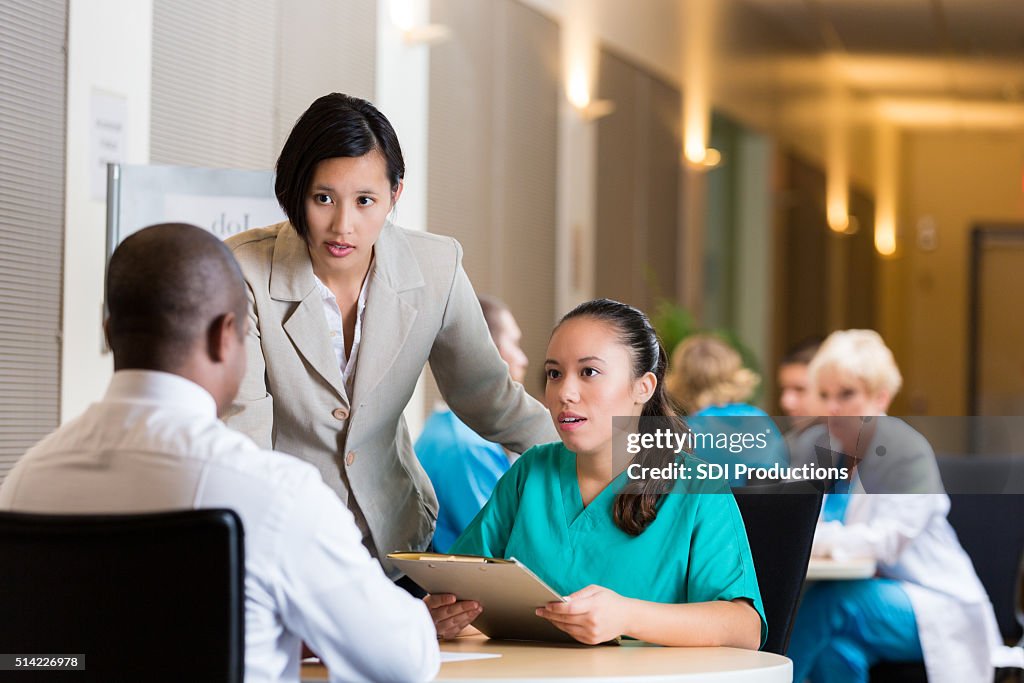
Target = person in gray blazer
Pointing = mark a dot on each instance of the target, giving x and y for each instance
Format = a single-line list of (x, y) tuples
[(346, 310)]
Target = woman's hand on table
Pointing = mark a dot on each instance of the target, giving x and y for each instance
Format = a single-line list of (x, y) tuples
[(593, 614), (450, 615)]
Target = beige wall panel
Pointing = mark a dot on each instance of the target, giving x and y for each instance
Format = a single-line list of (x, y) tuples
[(230, 78), (493, 146), (214, 75), (662, 191), (462, 138), (638, 180), (801, 310), (32, 130), (525, 256), (618, 200), (958, 179), (324, 46), (862, 264)]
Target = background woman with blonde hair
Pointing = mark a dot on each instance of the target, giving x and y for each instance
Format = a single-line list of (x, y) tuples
[(707, 376), (926, 602), (707, 381)]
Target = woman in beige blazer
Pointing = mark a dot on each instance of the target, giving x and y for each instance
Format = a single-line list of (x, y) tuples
[(346, 310)]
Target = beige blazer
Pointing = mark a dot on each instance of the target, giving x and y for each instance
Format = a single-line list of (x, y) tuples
[(420, 307)]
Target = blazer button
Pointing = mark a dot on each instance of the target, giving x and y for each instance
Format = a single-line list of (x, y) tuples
[(340, 413), (350, 458)]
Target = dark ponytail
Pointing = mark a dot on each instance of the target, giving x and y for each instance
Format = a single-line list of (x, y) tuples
[(636, 505)]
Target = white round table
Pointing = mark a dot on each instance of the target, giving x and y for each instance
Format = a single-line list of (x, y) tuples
[(630, 662), (828, 569)]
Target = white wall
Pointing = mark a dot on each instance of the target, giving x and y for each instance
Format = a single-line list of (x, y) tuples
[(109, 49), (403, 75)]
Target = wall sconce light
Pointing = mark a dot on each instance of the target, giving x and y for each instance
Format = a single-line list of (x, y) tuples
[(427, 34), (837, 218), (578, 93), (702, 159), (837, 155), (410, 16), (837, 194), (595, 109), (885, 238), (887, 141)]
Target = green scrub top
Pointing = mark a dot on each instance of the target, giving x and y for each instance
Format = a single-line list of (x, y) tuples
[(695, 550)]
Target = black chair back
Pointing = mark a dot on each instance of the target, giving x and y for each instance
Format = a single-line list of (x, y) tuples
[(150, 597), (988, 527), (990, 530), (780, 521), (987, 498)]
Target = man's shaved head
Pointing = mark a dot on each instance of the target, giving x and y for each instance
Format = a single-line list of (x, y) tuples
[(166, 286)]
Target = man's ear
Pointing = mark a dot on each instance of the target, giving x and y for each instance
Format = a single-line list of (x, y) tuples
[(644, 387), (221, 334)]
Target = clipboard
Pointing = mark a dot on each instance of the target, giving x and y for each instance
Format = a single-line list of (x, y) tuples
[(506, 589)]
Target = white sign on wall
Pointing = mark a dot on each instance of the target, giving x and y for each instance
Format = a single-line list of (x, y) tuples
[(108, 114), (223, 201), (223, 216)]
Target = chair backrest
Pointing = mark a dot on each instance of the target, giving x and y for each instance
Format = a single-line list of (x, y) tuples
[(147, 597), (990, 530), (1001, 474), (780, 522)]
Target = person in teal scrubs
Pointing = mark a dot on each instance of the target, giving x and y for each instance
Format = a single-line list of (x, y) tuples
[(669, 563)]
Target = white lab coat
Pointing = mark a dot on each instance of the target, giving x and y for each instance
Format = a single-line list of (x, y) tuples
[(910, 538)]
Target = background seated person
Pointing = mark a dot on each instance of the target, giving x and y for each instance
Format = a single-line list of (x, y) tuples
[(707, 380), (796, 398), (645, 559), (177, 327), (463, 466), (926, 602)]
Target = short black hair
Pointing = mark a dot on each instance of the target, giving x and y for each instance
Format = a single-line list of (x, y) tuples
[(803, 352), (335, 125), (166, 284)]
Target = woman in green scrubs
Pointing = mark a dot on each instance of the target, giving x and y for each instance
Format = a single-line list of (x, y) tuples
[(669, 563)]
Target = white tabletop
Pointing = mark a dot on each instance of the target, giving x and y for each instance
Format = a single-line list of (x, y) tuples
[(828, 569), (631, 662)]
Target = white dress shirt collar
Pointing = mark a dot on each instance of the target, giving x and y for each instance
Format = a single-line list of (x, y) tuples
[(163, 388)]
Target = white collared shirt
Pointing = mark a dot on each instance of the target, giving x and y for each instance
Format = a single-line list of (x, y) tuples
[(346, 362), (154, 443)]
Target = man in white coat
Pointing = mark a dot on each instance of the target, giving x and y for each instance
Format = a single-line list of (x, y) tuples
[(177, 327)]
